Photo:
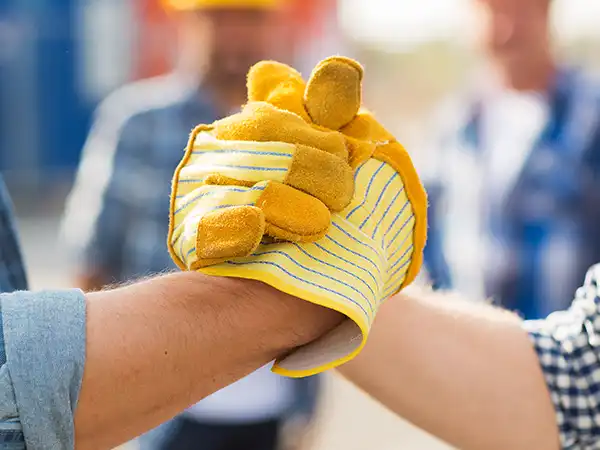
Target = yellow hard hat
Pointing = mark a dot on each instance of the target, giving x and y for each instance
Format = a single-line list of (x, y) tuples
[(183, 5)]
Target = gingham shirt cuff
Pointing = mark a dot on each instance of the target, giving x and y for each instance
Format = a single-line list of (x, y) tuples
[(568, 347)]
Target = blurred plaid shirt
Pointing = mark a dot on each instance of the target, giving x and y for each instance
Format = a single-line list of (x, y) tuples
[(116, 217), (528, 241)]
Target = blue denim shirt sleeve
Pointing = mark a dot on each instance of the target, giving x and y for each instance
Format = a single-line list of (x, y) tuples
[(44, 338)]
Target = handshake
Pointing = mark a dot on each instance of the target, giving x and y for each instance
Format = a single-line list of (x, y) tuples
[(307, 192)]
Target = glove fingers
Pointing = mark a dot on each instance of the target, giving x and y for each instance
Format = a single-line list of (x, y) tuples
[(292, 215), (278, 84), (265, 77), (325, 176), (322, 175), (262, 122), (216, 223), (229, 233)]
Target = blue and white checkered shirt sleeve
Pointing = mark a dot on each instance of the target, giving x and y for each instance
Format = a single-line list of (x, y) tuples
[(568, 347)]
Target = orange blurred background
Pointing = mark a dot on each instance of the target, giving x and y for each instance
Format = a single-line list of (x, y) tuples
[(306, 19)]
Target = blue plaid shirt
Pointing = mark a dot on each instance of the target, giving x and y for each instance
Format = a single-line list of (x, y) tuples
[(116, 218), (568, 347), (541, 234)]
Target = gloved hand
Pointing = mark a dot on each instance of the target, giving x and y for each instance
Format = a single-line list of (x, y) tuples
[(264, 171), (234, 186)]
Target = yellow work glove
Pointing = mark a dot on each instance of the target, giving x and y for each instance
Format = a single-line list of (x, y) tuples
[(244, 184)]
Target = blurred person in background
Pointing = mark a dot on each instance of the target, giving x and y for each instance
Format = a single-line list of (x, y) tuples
[(115, 215), (516, 214)]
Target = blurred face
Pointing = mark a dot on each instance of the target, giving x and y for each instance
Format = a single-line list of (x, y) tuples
[(512, 32), (238, 38)]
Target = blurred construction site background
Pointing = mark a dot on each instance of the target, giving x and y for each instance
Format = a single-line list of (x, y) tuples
[(59, 58)]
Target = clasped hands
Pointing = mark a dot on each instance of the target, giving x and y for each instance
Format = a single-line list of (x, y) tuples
[(307, 192)]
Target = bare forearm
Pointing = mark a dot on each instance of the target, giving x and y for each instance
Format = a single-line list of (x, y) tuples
[(466, 373), (157, 347)]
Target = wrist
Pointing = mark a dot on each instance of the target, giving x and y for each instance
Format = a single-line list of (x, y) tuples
[(285, 321)]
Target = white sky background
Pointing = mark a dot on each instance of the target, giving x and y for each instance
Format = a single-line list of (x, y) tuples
[(400, 23)]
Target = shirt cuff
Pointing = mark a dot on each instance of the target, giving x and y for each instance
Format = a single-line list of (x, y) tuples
[(44, 337)]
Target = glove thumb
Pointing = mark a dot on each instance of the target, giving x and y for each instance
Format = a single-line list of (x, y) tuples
[(333, 93)]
